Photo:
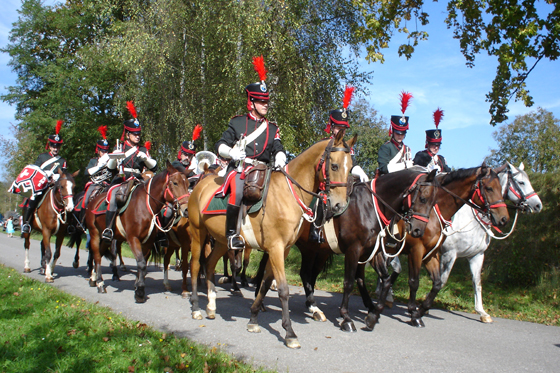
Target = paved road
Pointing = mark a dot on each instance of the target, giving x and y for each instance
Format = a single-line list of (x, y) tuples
[(451, 341)]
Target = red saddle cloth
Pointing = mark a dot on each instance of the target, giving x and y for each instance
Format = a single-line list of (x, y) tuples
[(31, 178)]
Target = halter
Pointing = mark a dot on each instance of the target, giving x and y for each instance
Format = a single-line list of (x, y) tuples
[(324, 186)]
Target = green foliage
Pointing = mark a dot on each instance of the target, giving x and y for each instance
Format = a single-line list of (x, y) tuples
[(44, 330), (531, 252), (517, 33), (533, 139)]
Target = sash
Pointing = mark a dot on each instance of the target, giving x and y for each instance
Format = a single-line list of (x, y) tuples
[(49, 162), (260, 129)]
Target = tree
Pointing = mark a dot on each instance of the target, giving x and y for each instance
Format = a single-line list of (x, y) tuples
[(516, 32), (533, 139)]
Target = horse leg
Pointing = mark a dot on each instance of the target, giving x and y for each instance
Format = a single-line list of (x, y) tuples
[(246, 258), (57, 247), (475, 264), (228, 257), (43, 260), (397, 269), (118, 250), (311, 265), (446, 263), (26, 265), (198, 238), (77, 238), (350, 267), (49, 257), (185, 250), (414, 265), (142, 268), (178, 261), (166, 261), (218, 252), (432, 266), (235, 263), (374, 310), (264, 280)]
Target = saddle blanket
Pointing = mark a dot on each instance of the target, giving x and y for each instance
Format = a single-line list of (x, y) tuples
[(218, 205), (31, 178), (102, 207)]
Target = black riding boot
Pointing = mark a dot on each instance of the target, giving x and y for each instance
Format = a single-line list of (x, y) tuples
[(32, 205), (235, 241), (107, 234)]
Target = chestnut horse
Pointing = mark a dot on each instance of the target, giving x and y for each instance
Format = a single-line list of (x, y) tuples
[(481, 185), (370, 208), (322, 167), (137, 224), (52, 218)]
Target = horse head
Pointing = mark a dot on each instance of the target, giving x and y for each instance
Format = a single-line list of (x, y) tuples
[(177, 188), (487, 194), (517, 188), (65, 186), (332, 172), (419, 199)]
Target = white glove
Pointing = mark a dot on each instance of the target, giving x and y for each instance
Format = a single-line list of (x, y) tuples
[(143, 156), (359, 172), (280, 160), (49, 173), (237, 154), (408, 164)]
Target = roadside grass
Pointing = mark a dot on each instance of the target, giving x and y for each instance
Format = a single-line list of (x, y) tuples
[(43, 329)]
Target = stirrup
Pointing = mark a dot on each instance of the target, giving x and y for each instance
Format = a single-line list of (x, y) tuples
[(26, 228), (107, 234), (240, 241)]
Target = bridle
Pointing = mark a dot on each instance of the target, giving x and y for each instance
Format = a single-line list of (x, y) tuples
[(409, 202), (176, 201), (480, 192), (513, 187)]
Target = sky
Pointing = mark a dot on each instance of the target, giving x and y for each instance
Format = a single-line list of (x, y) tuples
[(436, 75)]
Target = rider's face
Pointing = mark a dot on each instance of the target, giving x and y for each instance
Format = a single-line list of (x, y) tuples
[(399, 137), (433, 148), (260, 108), (54, 149), (134, 138), (186, 158)]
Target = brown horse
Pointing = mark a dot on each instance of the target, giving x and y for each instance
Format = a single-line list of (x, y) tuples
[(481, 185), (137, 224), (323, 166), (52, 218)]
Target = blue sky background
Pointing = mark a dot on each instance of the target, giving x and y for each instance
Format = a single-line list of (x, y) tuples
[(436, 75)]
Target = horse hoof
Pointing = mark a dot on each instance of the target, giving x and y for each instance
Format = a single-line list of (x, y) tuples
[(371, 320), (42, 271), (348, 326), (210, 313), (223, 280), (123, 268), (292, 343), (75, 264), (185, 294), (319, 316), (388, 304), (196, 315), (418, 323), (115, 278), (254, 328), (168, 287), (49, 280), (139, 299), (486, 319), (27, 270)]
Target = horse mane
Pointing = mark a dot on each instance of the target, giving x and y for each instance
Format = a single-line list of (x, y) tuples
[(327, 139), (458, 175)]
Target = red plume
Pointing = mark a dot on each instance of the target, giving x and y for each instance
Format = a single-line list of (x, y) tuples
[(258, 64), (405, 98), (131, 109), (196, 132), (103, 131), (58, 126), (347, 97), (148, 145), (438, 114)]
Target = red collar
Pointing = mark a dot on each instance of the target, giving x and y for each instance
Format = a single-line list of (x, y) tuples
[(251, 116), (399, 146)]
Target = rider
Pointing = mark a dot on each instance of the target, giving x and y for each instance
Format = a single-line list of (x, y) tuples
[(428, 158), (338, 121), (136, 160), (186, 156), (394, 155), (263, 145), (97, 168), (50, 163)]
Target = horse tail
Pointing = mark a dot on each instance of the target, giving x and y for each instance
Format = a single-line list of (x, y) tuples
[(328, 264), (260, 273), (157, 255)]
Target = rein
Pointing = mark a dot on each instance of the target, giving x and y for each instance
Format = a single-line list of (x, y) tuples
[(155, 218)]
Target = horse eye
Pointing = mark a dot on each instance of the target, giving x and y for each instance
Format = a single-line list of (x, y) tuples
[(521, 183), (175, 183), (489, 189), (423, 200), (334, 167)]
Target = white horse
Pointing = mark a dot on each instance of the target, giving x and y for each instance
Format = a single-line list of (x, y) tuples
[(471, 234)]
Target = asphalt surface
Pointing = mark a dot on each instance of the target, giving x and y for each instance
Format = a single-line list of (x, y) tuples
[(450, 342)]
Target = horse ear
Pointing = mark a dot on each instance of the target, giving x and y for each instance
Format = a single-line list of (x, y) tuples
[(60, 172), (170, 167), (431, 175), (75, 173), (339, 137), (352, 141), (501, 168), (521, 166)]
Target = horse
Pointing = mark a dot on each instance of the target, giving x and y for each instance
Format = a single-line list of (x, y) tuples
[(479, 184), (239, 262), (323, 167), (370, 208), (137, 224), (472, 233), (51, 218)]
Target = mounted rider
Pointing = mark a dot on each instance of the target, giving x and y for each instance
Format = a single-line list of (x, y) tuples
[(97, 168), (132, 160), (429, 158), (186, 156), (394, 155), (37, 177), (248, 141), (338, 121)]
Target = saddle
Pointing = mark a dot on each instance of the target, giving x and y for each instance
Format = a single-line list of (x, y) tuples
[(123, 191)]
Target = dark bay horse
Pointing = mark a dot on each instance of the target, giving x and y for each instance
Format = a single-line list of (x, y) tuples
[(480, 188), (137, 225), (322, 167), (357, 231), (52, 218)]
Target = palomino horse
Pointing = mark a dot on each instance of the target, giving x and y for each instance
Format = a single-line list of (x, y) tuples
[(137, 224), (324, 166), (51, 218), (482, 186), (356, 231), (472, 233)]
